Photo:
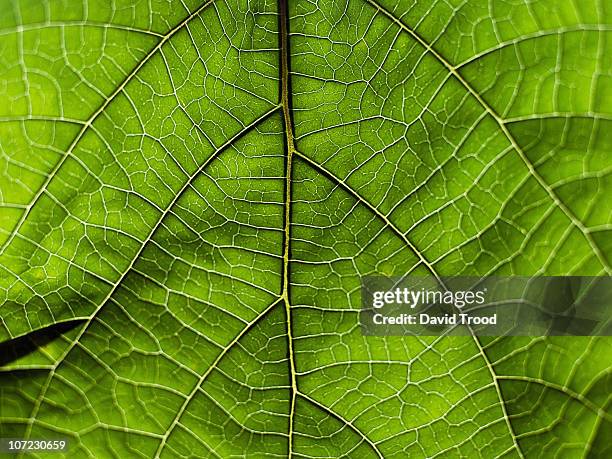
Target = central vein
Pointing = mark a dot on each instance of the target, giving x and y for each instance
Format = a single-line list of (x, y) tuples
[(290, 146)]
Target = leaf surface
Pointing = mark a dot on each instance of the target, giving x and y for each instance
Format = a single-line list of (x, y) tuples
[(191, 192)]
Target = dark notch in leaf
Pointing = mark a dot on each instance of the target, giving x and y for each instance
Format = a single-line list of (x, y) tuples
[(14, 349)]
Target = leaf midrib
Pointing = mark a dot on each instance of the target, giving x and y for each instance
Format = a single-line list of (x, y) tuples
[(285, 96)]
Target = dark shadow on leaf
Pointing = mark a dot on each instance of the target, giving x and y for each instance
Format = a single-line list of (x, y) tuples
[(17, 348)]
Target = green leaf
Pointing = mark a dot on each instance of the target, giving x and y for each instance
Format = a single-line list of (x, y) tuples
[(190, 193)]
